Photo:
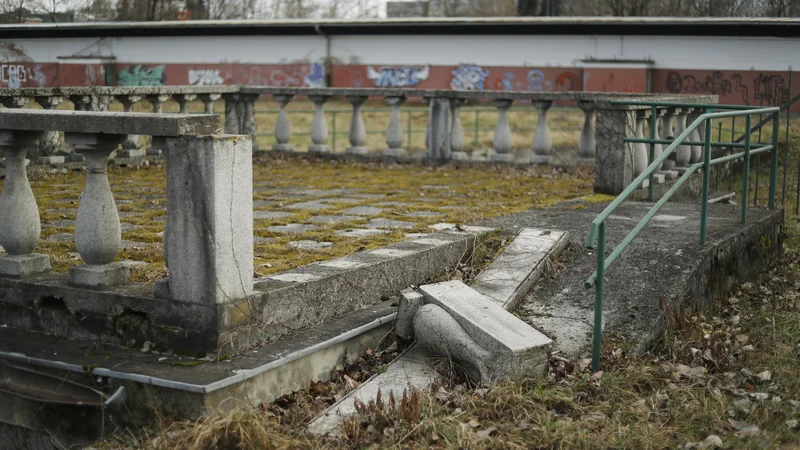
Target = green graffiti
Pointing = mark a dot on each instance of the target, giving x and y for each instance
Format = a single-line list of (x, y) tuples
[(141, 76)]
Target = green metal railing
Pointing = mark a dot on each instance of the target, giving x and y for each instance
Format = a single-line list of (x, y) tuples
[(408, 127), (597, 230)]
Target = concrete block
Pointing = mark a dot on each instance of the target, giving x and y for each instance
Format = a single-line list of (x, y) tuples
[(516, 349), (613, 170), (396, 152), (209, 229), (101, 276), (584, 161), (283, 147), (410, 301), (131, 153), (669, 174), (502, 157), (542, 159), (513, 272), (357, 150), (459, 156), (24, 265), (154, 151), (51, 160), (321, 148)]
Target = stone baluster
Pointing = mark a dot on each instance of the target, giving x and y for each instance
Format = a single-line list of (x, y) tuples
[(158, 101), (183, 102), (587, 143), (696, 150), (97, 229), (247, 119), (319, 126), (233, 114), (439, 128), (81, 102), (542, 139), (130, 147), (357, 133), (502, 132), (427, 102), (457, 152), (19, 215), (394, 132), (640, 153), (50, 141), (683, 153), (667, 134), (283, 126), (208, 101), (657, 148)]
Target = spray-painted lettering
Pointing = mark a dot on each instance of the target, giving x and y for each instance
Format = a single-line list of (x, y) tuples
[(469, 77), (402, 76), (205, 77), (141, 76)]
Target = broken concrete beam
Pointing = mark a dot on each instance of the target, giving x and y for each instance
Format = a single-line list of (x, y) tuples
[(516, 349), (410, 301), (512, 274)]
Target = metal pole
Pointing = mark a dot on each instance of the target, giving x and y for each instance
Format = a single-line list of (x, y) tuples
[(598, 299), (652, 152), (706, 180), (730, 164), (746, 177), (786, 144), (717, 170), (758, 158), (773, 173)]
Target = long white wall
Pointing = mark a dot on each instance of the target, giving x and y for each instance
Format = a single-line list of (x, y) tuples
[(718, 53)]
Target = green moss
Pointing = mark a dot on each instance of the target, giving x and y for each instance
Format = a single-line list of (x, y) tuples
[(187, 363)]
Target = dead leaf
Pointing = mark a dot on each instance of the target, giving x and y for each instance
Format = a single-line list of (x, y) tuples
[(791, 424), (764, 376), (712, 441), (474, 423), (744, 429), (484, 434)]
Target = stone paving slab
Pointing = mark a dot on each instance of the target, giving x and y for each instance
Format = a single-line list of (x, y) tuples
[(388, 223), (292, 228), (333, 219), (362, 211)]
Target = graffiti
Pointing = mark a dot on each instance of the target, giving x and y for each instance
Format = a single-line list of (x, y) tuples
[(402, 76), (315, 78), (507, 83), (204, 77), (567, 81), (715, 83), (770, 87), (469, 77), (141, 76), (537, 83), (13, 75)]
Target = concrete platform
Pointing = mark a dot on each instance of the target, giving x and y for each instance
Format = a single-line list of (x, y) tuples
[(665, 270)]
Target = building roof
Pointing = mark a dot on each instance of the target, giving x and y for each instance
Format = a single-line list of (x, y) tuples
[(766, 27)]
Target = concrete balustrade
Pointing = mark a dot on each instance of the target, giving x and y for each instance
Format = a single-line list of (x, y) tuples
[(394, 132), (667, 133), (50, 141), (319, 126), (683, 153), (502, 133), (640, 153), (586, 143), (358, 132), (457, 152), (696, 150), (283, 126)]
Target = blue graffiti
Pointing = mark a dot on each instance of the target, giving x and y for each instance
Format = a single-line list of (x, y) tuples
[(508, 82), (402, 76), (469, 77), (537, 83), (315, 79)]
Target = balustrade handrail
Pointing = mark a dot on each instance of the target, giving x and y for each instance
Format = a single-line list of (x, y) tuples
[(597, 230)]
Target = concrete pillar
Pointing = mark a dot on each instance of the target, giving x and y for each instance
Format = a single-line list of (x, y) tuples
[(232, 114), (357, 133), (50, 141), (97, 228), (457, 152), (667, 133), (130, 148), (209, 229), (319, 126), (394, 132), (247, 118), (183, 102), (19, 214), (613, 169), (208, 101), (502, 132), (283, 126), (683, 153), (696, 150), (439, 129), (640, 149), (586, 143), (542, 140)]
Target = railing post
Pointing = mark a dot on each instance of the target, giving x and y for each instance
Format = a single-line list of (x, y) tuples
[(542, 139), (439, 123), (19, 215), (653, 115), (208, 101), (667, 134), (394, 132), (746, 171), (130, 147), (706, 179), (502, 132), (209, 228), (319, 126), (97, 228), (587, 143), (696, 150), (773, 174), (683, 154), (597, 334), (457, 152), (50, 141), (283, 126), (358, 132), (658, 149)]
